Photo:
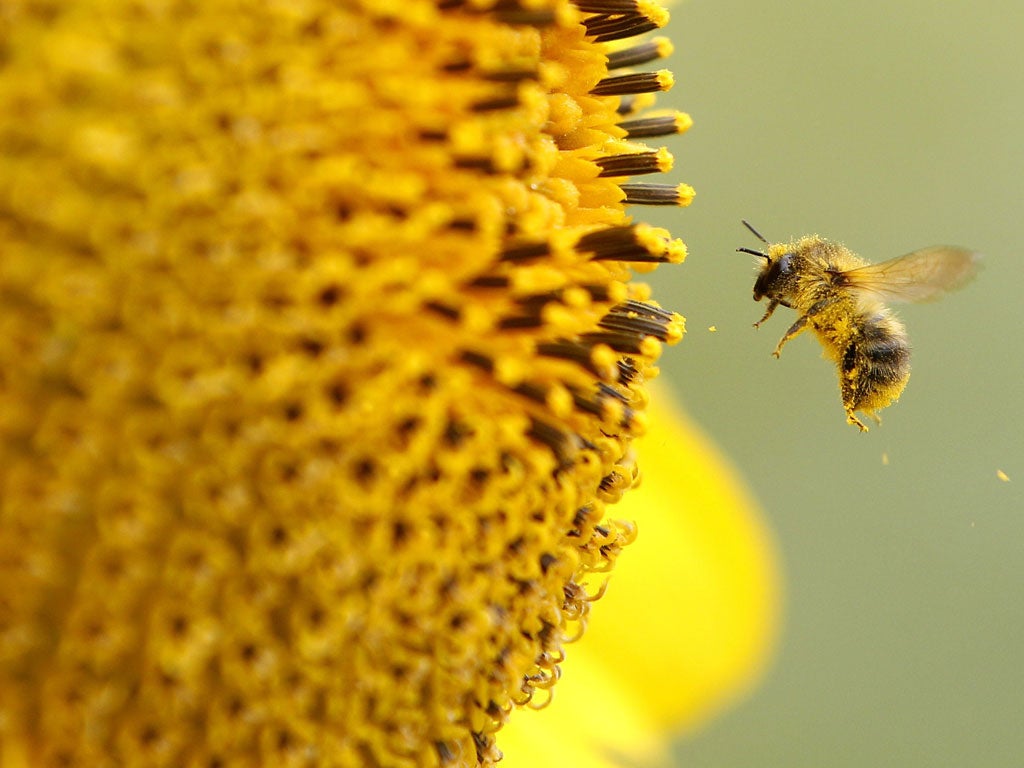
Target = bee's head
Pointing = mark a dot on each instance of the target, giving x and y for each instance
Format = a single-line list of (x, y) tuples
[(774, 276)]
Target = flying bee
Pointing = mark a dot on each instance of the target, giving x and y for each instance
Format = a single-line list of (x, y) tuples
[(842, 299)]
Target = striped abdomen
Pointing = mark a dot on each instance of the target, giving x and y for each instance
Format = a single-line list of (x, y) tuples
[(875, 366)]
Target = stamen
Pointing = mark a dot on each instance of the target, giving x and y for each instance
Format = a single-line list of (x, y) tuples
[(481, 164), (535, 303), (520, 322), (627, 106), (433, 134), (534, 392), (510, 75), (663, 125), (627, 370), (490, 281), (462, 225), (658, 194), (558, 441), (447, 753), (581, 354), (635, 163), (539, 17), (606, 6), (450, 313), (632, 306), (505, 11), (597, 292), (655, 326), (526, 251), (606, 27), (637, 243), (658, 48), (478, 360), (601, 402), (639, 82), (618, 243), (507, 101), (627, 343), (632, 105)]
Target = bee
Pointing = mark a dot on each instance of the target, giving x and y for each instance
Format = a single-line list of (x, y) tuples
[(842, 298)]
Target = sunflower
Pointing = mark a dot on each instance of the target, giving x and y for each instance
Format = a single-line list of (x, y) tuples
[(320, 365)]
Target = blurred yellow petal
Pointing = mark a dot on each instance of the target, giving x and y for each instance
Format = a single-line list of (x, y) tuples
[(590, 723), (688, 621)]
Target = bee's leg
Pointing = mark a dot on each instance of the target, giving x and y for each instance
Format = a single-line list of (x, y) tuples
[(851, 376), (851, 419), (772, 304), (794, 330)]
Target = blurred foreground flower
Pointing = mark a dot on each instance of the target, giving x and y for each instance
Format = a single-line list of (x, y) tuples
[(318, 365)]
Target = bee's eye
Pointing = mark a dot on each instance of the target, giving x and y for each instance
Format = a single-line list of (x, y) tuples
[(783, 263)]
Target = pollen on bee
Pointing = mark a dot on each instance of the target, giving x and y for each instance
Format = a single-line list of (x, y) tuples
[(1002, 476)]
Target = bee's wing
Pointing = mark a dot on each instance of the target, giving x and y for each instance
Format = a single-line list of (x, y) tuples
[(923, 275)]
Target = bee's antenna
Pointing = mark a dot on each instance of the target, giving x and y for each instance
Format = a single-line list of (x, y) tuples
[(757, 234), (752, 252)]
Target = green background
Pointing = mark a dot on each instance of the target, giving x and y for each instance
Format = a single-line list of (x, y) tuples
[(888, 126)]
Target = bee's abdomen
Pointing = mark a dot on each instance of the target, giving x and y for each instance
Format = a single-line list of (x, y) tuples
[(888, 354), (875, 366)]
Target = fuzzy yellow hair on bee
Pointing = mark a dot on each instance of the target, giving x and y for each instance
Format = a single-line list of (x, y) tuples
[(842, 299)]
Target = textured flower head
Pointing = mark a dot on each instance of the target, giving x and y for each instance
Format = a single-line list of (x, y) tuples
[(319, 364)]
